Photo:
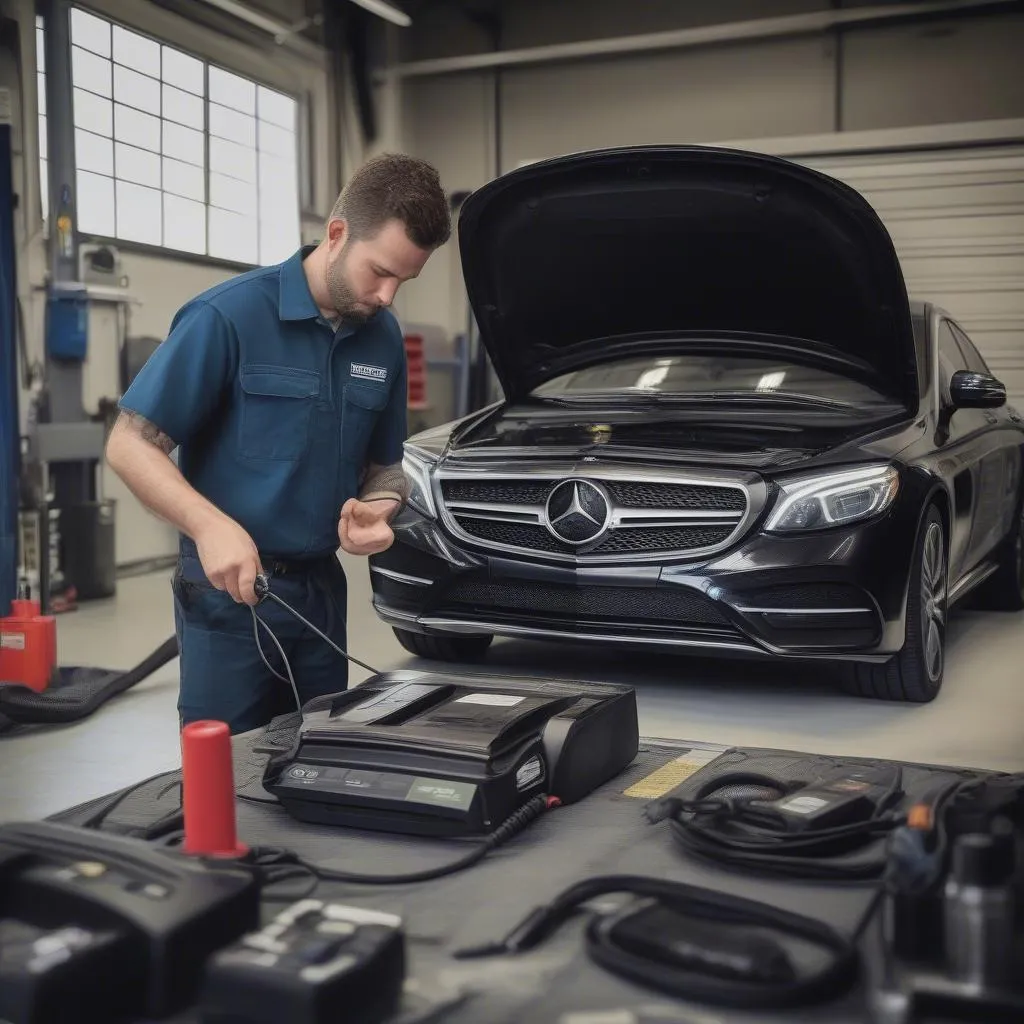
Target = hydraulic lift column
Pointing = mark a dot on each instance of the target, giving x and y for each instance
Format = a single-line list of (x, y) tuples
[(66, 444)]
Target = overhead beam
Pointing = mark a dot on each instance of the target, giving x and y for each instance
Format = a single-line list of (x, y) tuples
[(689, 38), (284, 35)]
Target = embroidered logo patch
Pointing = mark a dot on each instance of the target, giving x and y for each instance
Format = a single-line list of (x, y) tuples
[(367, 372)]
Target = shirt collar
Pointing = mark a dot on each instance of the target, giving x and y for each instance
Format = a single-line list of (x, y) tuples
[(296, 300)]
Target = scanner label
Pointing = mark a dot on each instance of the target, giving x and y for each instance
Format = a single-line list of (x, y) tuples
[(529, 772), (803, 804), (494, 700), (442, 793)]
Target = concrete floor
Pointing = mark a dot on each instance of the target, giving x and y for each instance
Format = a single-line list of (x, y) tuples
[(977, 721)]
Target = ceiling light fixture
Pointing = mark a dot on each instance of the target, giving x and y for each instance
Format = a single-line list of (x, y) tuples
[(386, 11)]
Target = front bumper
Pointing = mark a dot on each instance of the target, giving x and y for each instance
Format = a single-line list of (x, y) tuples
[(838, 594)]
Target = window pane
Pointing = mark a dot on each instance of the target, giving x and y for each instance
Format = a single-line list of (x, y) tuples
[(136, 128), (183, 179), (93, 113), (135, 51), (232, 91), (231, 125), (277, 141), (41, 93), (232, 160), (90, 32), (184, 225), (183, 107), (232, 194), (94, 153), (138, 165), (183, 144), (89, 71), (232, 236), (139, 214), (279, 209), (279, 234), (136, 90), (182, 71), (277, 108), (44, 142), (44, 187), (40, 50), (95, 201)]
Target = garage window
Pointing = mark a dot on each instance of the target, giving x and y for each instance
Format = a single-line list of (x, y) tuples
[(175, 152)]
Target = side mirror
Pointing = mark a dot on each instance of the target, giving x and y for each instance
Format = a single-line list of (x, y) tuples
[(976, 391)]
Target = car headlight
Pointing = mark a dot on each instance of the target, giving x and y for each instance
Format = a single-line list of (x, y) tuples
[(417, 467), (833, 499)]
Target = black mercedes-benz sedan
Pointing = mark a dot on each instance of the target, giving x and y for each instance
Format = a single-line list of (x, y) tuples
[(725, 429)]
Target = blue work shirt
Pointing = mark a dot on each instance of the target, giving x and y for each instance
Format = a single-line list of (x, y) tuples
[(276, 415)]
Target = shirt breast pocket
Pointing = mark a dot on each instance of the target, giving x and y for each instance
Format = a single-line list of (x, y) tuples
[(362, 408), (277, 411)]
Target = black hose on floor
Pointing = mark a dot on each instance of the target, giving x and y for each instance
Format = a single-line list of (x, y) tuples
[(77, 692)]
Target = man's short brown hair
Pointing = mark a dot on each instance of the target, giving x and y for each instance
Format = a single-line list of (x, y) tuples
[(396, 187)]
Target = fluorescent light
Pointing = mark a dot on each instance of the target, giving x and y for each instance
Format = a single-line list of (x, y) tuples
[(386, 11)]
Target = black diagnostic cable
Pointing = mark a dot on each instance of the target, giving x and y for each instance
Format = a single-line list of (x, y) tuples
[(263, 592), (274, 864), (697, 970), (746, 833)]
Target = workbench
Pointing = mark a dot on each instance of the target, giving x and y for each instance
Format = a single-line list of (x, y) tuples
[(606, 833)]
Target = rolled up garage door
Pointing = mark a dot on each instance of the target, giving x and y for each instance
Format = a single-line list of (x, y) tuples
[(956, 217)]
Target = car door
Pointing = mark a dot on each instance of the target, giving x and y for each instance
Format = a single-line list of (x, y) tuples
[(964, 445), (1001, 467)]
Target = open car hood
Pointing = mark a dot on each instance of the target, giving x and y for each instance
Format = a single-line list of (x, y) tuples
[(580, 259)]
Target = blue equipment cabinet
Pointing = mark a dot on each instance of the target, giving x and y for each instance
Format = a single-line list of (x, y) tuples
[(67, 324)]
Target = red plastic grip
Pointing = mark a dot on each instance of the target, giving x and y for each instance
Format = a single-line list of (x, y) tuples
[(208, 791)]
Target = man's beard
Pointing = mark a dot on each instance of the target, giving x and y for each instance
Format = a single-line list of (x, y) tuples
[(343, 299)]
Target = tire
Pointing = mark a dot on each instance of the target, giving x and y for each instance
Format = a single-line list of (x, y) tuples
[(1004, 591), (444, 648), (915, 674)]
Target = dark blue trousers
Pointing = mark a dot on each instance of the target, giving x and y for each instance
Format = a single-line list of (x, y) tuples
[(223, 676)]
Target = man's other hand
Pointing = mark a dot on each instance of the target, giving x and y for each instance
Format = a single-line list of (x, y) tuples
[(363, 528)]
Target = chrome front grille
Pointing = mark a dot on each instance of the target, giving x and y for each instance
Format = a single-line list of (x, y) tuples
[(597, 513)]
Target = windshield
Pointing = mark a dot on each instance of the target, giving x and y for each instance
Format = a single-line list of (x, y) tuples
[(699, 376)]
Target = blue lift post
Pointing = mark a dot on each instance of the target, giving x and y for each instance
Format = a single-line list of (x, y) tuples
[(10, 446)]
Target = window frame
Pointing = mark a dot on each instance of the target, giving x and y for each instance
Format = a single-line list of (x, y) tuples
[(970, 351), (303, 156)]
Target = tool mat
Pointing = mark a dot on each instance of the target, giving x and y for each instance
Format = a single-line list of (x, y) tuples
[(606, 833)]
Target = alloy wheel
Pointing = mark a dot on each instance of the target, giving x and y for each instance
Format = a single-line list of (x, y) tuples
[(933, 599)]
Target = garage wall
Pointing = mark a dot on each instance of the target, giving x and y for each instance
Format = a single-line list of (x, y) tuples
[(160, 281), (956, 217), (955, 69)]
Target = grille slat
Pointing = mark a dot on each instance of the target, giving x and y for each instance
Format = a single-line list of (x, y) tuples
[(677, 496), (500, 492)]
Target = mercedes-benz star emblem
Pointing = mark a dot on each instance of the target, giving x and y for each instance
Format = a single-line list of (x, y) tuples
[(577, 511)]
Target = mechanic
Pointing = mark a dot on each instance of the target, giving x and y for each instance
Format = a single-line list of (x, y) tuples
[(284, 392)]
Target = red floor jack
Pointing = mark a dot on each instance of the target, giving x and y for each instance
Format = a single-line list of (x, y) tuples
[(28, 646)]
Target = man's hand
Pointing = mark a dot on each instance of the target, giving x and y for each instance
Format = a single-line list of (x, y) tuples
[(363, 528), (230, 559)]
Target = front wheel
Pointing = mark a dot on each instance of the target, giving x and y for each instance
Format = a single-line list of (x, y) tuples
[(444, 648), (915, 674)]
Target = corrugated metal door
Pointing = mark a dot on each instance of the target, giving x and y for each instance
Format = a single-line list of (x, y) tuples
[(956, 217)]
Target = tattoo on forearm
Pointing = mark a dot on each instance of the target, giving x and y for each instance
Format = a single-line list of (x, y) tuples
[(385, 482), (148, 431)]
